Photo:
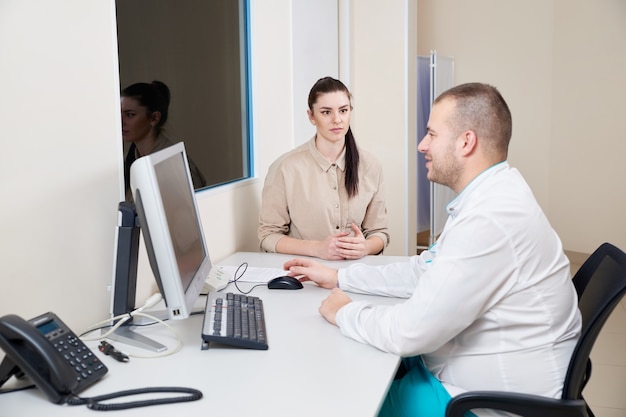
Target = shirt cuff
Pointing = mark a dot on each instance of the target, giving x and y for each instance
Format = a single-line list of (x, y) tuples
[(270, 242), (340, 274)]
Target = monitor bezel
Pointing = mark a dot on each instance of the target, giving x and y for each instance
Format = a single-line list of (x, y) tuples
[(154, 228)]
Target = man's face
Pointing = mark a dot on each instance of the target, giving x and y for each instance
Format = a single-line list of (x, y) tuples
[(439, 146)]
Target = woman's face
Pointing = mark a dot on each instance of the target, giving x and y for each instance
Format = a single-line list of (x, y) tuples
[(136, 123), (331, 116)]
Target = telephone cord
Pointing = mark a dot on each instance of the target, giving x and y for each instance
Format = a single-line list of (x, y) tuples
[(93, 403)]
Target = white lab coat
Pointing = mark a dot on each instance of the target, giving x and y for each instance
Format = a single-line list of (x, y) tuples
[(490, 306)]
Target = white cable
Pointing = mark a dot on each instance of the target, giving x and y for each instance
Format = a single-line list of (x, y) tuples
[(123, 318), (151, 301)]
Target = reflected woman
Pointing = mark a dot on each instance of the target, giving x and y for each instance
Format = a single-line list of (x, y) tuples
[(144, 113)]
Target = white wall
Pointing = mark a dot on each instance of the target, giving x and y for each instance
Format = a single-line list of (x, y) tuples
[(315, 30), (560, 66), (60, 161), (587, 170)]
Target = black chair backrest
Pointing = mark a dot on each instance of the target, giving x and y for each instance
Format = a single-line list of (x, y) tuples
[(600, 283)]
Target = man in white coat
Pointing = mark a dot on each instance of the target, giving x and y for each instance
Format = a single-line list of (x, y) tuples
[(491, 305)]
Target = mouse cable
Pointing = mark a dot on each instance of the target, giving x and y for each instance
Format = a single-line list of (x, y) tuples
[(94, 403), (238, 276)]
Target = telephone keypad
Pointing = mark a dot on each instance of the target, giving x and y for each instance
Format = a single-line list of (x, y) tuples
[(87, 366), (84, 362)]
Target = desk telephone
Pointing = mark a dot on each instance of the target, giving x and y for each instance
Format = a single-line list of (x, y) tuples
[(49, 353)]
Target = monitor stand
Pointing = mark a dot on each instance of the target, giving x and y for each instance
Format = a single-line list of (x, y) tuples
[(124, 288), (125, 334)]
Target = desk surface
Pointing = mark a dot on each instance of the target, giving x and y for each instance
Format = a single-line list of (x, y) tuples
[(310, 369)]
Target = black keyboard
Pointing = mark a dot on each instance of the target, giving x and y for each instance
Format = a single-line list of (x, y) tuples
[(234, 320)]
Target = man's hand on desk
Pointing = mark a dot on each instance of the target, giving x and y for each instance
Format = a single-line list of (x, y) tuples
[(322, 275), (331, 305), (325, 277)]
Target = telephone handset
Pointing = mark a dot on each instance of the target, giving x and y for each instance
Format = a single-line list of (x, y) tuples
[(49, 353)]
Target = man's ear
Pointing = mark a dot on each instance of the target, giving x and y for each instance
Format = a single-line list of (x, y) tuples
[(155, 118), (469, 142)]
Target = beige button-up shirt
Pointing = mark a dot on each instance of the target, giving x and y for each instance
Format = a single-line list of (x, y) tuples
[(304, 197)]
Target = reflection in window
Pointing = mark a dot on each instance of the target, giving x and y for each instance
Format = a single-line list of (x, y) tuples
[(201, 51)]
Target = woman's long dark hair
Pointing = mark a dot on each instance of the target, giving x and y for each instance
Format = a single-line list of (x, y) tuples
[(330, 85)]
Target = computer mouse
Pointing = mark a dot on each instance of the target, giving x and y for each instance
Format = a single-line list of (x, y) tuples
[(284, 283)]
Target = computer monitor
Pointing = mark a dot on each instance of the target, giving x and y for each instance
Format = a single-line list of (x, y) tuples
[(167, 216)]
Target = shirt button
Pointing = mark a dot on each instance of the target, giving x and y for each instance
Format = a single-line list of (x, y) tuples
[(334, 188), (337, 227)]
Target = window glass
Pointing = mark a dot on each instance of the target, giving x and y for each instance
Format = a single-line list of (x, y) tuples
[(200, 50)]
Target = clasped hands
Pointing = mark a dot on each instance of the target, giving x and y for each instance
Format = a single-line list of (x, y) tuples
[(343, 246), (325, 277)]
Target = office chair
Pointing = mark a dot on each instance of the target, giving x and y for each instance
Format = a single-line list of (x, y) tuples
[(600, 284)]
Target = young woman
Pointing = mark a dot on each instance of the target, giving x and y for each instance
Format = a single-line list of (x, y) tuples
[(144, 112), (326, 197)]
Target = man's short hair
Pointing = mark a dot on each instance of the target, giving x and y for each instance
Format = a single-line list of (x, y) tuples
[(481, 108)]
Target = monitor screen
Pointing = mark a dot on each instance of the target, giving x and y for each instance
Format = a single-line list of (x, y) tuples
[(171, 227)]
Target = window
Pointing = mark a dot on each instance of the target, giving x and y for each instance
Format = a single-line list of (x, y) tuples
[(200, 50)]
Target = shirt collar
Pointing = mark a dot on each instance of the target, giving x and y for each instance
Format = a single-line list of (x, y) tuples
[(453, 207), (321, 160)]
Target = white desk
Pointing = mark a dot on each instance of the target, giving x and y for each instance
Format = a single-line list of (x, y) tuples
[(310, 369)]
